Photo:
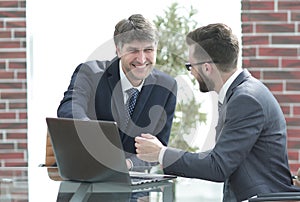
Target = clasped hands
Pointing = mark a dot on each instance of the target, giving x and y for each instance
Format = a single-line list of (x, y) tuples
[(148, 147)]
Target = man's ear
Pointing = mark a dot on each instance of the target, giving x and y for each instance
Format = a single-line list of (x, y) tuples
[(207, 69)]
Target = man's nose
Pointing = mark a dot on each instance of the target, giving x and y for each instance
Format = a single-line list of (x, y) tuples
[(141, 57)]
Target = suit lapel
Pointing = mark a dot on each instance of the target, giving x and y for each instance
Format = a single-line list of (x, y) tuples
[(118, 107), (222, 114)]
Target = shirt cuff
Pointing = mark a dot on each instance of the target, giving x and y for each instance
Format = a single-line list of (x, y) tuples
[(161, 155), (131, 164)]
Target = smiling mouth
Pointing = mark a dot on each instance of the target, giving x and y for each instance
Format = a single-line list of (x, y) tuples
[(140, 66)]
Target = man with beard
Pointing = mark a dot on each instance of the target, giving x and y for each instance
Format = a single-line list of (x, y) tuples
[(250, 154), (127, 89)]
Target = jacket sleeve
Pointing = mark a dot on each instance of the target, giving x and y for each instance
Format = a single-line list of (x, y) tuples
[(242, 127), (78, 100)]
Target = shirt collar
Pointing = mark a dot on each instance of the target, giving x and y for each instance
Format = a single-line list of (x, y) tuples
[(227, 84), (125, 83)]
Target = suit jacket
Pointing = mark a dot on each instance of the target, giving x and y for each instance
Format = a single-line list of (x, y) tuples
[(95, 92), (251, 144)]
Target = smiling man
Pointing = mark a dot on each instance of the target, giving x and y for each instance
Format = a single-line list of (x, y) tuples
[(127, 89)]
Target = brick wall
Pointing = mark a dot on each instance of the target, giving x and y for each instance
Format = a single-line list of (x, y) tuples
[(271, 51), (13, 90)]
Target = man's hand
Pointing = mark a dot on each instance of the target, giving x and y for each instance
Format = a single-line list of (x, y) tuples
[(148, 147)]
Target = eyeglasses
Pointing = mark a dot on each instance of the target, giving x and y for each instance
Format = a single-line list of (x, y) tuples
[(188, 65)]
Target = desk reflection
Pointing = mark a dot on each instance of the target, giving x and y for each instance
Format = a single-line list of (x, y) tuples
[(35, 184), (78, 191), (72, 191)]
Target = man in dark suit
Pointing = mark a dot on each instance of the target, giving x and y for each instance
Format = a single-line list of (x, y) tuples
[(126, 89), (250, 154)]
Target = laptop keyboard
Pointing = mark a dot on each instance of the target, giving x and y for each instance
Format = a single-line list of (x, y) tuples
[(142, 180)]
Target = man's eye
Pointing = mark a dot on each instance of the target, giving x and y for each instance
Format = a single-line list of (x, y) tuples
[(133, 51), (148, 50)]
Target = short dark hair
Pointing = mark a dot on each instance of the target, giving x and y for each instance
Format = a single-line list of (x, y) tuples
[(215, 42), (136, 27)]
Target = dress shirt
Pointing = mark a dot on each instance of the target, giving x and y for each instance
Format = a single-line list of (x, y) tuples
[(125, 83)]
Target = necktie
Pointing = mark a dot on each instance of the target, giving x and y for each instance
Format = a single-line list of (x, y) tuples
[(130, 103), (220, 124), (219, 107)]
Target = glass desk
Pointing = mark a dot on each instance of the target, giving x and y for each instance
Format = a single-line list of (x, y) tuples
[(34, 184)]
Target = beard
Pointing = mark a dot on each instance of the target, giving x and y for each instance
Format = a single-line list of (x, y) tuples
[(202, 86), (205, 84)]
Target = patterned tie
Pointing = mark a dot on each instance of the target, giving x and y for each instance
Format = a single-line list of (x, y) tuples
[(130, 103)]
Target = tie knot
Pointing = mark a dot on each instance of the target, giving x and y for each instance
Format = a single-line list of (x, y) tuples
[(132, 92)]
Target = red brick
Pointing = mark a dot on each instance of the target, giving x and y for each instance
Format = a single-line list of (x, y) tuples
[(258, 63), (6, 75), (20, 34), (17, 65), (288, 98), (18, 125), (22, 146), (288, 5), (292, 86), (17, 163), (12, 55), (9, 4), (23, 115), (264, 16), (16, 136), (16, 24), (9, 44), (290, 62), (293, 155), (286, 40), (278, 51), (275, 28), (22, 105), (282, 75), (12, 14), (6, 146), (275, 86), (296, 111), (295, 16), (13, 95), (11, 85), (254, 5), (15, 155), (5, 34), (21, 75), (293, 133), (2, 105), (292, 121), (255, 40), (7, 115)]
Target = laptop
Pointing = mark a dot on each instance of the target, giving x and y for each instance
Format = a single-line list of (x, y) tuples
[(91, 151)]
